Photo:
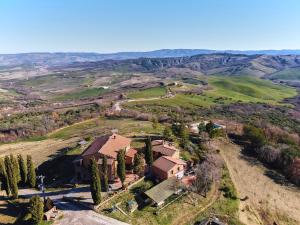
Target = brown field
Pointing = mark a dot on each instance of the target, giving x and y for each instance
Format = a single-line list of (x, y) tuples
[(268, 201), (39, 150)]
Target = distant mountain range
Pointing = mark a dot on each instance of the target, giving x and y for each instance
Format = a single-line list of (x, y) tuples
[(64, 58), (205, 64)]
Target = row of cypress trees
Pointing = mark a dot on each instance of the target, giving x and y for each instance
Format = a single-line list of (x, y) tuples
[(14, 171)]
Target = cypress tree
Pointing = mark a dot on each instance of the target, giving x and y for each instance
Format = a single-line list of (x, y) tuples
[(36, 209), (31, 176), (95, 182), (23, 169), (121, 166), (15, 166), (3, 177), (183, 134), (138, 164), (148, 152), (104, 173), (11, 178)]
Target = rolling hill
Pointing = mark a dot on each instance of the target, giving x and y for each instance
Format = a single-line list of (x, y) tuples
[(206, 64)]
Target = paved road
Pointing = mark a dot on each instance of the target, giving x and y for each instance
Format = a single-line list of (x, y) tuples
[(79, 215), (73, 213)]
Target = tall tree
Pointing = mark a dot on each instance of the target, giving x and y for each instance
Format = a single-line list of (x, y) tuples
[(95, 182), (121, 166), (11, 178), (183, 134), (3, 177), (148, 152), (138, 164), (36, 209), (104, 173), (23, 169), (31, 175), (15, 166)]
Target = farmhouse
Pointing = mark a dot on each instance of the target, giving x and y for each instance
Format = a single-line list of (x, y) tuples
[(107, 145), (166, 167), (164, 148)]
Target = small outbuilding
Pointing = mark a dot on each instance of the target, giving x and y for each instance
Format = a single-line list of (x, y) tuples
[(159, 193)]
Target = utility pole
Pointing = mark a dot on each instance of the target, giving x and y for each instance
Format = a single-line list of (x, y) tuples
[(42, 186)]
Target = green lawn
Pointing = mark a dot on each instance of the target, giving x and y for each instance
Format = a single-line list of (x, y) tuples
[(148, 93), (226, 90), (100, 126), (85, 93)]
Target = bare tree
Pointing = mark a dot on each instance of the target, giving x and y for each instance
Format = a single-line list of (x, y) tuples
[(207, 172)]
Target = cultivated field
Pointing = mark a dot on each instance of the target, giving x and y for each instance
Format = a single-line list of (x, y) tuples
[(148, 93)]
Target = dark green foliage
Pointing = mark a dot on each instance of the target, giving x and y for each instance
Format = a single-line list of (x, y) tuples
[(15, 166), (201, 127), (217, 133), (138, 164), (31, 175), (11, 178), (168, 134), (121, 166), (148, 152), (3, 178), (229, 192), (255, 135), (104, 174), (183, 134), (36, 209), (95, 182), (23, 169), (210, 128)]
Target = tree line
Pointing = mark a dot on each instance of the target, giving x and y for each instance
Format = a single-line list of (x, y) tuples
[(275, 148), (15, 172)]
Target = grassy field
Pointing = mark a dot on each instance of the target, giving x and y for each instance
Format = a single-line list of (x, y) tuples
[(225, 208), (172, 214), (226, 90), (148, 93), (287, 74), (99, 126), (85, 93)]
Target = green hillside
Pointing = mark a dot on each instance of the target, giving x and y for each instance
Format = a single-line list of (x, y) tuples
[(287, 74), (148, 93), (226, 90)]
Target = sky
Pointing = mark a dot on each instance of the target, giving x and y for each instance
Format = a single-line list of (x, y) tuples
[(141, 25)]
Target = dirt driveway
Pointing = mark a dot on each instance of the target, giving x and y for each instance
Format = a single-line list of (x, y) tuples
[(267, 200)]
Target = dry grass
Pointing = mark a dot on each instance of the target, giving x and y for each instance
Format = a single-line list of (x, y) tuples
[(268, 201), (39, 150)]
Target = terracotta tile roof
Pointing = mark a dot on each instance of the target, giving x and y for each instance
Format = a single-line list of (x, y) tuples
[(108, 145), (131, 152), (164, 147), (166, 163)]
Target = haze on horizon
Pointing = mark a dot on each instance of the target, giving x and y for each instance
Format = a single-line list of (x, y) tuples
[(120, 26)]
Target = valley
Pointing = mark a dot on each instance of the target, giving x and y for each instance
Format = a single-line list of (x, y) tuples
[(55, 116)]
